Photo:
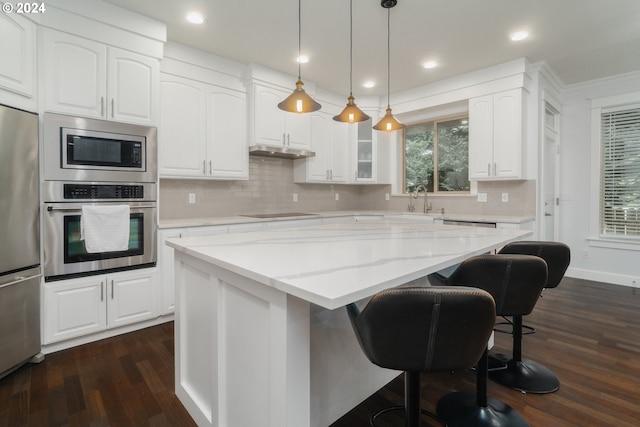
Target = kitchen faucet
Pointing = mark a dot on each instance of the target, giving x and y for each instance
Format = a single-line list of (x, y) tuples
[(427, 206)]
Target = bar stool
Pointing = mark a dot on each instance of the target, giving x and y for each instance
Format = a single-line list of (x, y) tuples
[(524, 374), (514, 281), (423, 329)]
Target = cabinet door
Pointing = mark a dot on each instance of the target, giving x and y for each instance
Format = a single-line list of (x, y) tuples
[(131, 297), (365, 153), (165, 262), (481, 137), (133, 82), (507, 134), (268, 118), (318, 167), (182, 132), (297, 130), (227, 127), (75, 75), (18, 65), (73, 308), (339, 152)]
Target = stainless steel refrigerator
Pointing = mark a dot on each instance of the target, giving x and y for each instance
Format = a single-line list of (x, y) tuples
[(19, 239)]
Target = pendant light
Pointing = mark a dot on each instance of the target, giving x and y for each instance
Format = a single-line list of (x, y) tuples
[(388, 122), (351, 113), (299, 101)]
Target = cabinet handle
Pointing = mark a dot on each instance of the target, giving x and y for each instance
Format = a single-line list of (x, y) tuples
[(331, 174), (113, 109), (355, 176), (102, 106), (204, 167), (288, 139), (210, 173), (284, 142), (112, 289), (495, 169), (101, 291)]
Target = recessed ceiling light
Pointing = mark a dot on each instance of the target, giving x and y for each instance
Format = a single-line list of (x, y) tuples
[(430, 64), (369, 84), (519, 35), (303, 59), (195, 17)]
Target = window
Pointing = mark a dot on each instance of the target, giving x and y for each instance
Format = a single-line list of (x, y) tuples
[(437, 155), (620, 172)]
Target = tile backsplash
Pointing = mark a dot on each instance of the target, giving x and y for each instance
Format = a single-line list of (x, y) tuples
[(270, 189)]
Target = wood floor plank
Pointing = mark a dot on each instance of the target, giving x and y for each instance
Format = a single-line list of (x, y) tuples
[(587, 334)]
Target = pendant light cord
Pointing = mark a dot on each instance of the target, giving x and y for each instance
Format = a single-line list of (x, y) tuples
[(299, 35), (350, 47), (388, 57)]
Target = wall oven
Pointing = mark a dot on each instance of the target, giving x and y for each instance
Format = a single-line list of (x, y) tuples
[(79, 149), (65, 254)]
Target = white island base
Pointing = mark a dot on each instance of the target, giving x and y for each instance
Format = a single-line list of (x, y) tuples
[(262, 337), (251, 355)]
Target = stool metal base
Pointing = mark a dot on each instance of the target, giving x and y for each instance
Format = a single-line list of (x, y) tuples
[(374, 417), (526, 376), (460, 409)]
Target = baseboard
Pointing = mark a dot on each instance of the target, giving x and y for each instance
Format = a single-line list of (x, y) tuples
[(74, 342), (601, 276)]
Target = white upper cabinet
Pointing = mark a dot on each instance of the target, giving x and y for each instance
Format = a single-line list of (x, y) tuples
[(275, 127), (227, 133), (182, 134), (496, 136), (90, 79), (329, 140), (202, 131), (18, 63)]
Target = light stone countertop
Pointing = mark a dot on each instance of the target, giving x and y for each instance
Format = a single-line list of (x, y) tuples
[(332, 265), (229, 220)]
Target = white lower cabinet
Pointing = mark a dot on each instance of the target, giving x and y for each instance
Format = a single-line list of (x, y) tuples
[(78, 307)]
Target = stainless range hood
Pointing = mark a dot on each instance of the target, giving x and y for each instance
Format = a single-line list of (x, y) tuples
[(280, 152)]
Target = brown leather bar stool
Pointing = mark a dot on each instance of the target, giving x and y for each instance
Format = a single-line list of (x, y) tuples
[(423, 329), (524, 374), (515, 282)]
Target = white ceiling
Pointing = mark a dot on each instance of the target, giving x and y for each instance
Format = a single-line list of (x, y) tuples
[(580, 39)]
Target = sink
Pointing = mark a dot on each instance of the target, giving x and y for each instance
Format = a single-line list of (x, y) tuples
[(278, 215)]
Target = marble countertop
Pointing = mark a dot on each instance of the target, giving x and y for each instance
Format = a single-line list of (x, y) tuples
[(210, 221), (332, 265)]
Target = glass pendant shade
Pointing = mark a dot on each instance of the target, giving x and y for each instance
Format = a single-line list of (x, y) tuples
[(388, 122), (299, 101), (351, 113)]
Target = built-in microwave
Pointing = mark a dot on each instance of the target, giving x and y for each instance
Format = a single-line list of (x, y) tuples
[(81, 149)]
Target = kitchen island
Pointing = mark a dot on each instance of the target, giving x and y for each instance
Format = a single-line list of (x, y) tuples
[(261, 335)]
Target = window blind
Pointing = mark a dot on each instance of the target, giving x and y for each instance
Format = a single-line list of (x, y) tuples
[(620, 173)]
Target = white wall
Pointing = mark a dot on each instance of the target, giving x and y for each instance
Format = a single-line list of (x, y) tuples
[(620, 266)]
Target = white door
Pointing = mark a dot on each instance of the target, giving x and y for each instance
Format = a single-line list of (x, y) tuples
[(75, 75), (131, 297), (133, 83), (182, 133), (227, 127), (73, 308)]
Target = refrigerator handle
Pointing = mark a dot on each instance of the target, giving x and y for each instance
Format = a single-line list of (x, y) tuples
[(20, 280)]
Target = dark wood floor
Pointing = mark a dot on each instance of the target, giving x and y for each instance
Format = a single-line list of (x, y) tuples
[(588, 333)]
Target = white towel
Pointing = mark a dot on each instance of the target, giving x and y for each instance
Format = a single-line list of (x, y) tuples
[(105, 228)]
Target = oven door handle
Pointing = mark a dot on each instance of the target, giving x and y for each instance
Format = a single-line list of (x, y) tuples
[(79, 208)]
